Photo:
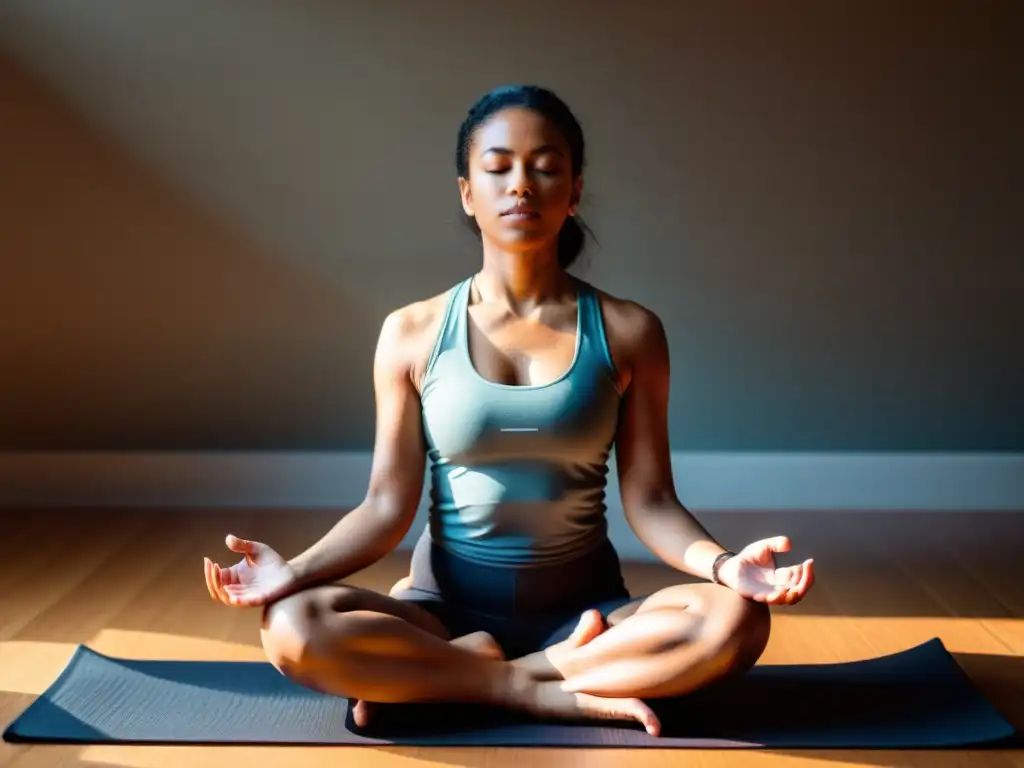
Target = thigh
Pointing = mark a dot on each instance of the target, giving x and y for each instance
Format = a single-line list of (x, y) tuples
[(730, 614), (699, 598), (298, 609)]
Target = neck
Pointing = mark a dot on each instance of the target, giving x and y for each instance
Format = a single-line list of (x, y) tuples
[(521, 278)]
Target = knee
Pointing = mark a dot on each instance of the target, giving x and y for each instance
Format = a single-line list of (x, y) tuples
[(742, 628), (288, 627), (294, 627)]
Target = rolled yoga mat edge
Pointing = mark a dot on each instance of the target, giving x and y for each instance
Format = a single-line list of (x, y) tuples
[(919, 698)]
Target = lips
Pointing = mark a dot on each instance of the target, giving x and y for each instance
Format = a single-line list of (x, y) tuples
[(521, 212)]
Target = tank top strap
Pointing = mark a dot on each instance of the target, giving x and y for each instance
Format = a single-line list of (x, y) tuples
[(451, 334), (592, 325)]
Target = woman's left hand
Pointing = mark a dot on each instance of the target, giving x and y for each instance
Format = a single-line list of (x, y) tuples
[(753, 574)]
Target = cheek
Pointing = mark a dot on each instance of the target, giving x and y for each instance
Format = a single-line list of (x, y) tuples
[(486, 190), (554, 190)]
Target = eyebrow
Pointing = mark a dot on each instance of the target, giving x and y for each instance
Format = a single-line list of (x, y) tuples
[(536, 151)]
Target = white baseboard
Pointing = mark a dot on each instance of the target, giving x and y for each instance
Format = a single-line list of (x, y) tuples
[(705, 481)]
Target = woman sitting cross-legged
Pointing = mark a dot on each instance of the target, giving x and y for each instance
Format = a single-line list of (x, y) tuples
[(514, 386)]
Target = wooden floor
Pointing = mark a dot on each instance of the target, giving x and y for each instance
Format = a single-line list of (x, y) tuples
[(131, 584)]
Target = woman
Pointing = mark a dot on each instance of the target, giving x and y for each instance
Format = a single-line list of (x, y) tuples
[(516, 384)]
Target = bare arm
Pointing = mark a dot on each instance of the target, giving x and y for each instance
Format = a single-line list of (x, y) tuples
[(379, 523), (644, 460)]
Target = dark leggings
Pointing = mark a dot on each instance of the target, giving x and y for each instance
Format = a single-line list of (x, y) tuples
[(525, 609)]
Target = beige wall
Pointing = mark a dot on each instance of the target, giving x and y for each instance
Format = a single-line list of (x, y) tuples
[(207, 209)]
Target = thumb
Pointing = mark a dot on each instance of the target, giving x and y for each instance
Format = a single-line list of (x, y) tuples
[(244, 546), (769, 546)]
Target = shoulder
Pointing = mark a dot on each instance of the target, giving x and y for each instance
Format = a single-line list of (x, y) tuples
[(408, 333), (629, 325), (635, 333), (630, 321)]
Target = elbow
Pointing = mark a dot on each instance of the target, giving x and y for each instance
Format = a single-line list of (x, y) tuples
[(652, 516), (395, 510), (647, 503)]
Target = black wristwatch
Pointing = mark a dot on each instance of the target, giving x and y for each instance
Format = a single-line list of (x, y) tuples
[(717, 565)]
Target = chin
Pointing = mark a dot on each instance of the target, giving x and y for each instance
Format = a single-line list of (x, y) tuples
[(524, 242), (530, 234)]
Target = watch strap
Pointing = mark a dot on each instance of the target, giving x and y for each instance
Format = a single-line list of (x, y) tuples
[(717, 565)]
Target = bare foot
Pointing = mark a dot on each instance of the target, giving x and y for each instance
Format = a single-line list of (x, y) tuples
[(549, 663), (547, 700), (480, 643), (591, 624), (402, 584)]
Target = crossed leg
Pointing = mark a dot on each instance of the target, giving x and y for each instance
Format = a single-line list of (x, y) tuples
[(371, 647), (670, 643)]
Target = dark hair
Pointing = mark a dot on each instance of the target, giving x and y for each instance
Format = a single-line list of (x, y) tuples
[(572, 236)]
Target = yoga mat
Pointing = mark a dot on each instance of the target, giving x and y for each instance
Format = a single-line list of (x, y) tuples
[(918, 698)]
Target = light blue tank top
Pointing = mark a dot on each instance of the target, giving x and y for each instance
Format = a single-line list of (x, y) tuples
[(518, 473)]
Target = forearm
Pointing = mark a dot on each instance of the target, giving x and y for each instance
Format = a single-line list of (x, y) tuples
[(357, 541), (674, 535)]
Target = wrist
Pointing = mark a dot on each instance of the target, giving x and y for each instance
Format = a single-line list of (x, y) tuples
[(300, 575), (716, 566)]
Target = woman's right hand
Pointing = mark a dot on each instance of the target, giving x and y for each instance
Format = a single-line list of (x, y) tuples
[(260, 577)]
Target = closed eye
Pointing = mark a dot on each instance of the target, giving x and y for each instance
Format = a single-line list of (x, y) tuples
[(506, 170)]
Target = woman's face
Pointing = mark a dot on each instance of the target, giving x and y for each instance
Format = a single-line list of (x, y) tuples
[(520, 186)]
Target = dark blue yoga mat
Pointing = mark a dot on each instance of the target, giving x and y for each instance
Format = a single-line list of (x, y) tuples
[(918, 698)]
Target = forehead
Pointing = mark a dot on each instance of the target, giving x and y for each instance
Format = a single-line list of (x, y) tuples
[(518, 129)]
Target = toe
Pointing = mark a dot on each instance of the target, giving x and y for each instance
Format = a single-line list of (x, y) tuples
[(362, 712), (591, 625)]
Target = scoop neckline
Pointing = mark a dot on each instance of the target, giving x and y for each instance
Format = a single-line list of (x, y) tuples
[(520, 387)]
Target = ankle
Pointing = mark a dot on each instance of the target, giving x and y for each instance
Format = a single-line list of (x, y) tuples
[(539, 666), (514, 685)]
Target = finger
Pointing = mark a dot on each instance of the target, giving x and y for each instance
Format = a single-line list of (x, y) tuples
[(778, 543), (219, 585), (208, 573), (214, 583), (782, 578), (229, 596), (796, 573), (228, 576), (806, 580), (790, 594), (223, 588), (805, 577), (782, 593)]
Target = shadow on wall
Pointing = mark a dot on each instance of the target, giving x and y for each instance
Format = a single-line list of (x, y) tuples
[(824, 223), (131, 318)]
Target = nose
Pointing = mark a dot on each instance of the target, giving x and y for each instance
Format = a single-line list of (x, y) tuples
[(519, 181)]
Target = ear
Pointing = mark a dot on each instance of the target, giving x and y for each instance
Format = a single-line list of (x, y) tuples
[(467, 197), (576, 196)]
